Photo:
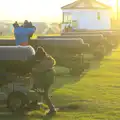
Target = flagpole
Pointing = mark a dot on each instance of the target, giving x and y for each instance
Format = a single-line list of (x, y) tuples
[(117, 9)]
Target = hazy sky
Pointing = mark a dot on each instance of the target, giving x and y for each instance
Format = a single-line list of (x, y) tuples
[(35, 10)]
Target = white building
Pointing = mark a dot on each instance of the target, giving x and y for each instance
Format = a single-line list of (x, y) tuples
[(87, 14)]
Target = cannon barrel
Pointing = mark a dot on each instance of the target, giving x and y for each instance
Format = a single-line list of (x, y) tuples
[(16, 59), (73, 45), (16, 52)]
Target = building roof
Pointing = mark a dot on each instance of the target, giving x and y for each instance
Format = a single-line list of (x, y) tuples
[(86, 4)]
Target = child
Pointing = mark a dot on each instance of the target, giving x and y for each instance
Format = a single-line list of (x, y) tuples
[(22, 34), (44, 75)]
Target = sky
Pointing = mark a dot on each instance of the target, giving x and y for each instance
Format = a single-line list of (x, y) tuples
[(36, 10)]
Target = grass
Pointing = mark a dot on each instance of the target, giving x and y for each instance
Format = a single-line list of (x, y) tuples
[(33, 37), (96, 95)]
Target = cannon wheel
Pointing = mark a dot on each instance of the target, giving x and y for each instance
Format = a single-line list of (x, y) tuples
[(98, 55), (17, 101), (76, 72)]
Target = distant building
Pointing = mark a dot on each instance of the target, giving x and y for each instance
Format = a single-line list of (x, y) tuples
[(52, 29), (87, 15)]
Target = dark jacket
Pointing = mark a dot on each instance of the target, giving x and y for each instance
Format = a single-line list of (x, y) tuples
[(44, 73), (45, 64)]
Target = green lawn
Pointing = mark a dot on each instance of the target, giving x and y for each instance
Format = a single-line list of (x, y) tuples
[(33, 37), (96, 96)]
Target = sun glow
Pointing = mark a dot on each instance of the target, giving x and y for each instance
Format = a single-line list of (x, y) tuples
[(37, 10)]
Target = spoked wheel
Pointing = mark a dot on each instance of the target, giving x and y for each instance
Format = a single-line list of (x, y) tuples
[(17, 101)]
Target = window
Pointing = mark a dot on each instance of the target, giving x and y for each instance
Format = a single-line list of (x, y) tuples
[(74, 23), (98, 15), (67, 18)]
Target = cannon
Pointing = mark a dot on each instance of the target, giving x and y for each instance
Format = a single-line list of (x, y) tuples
[(92, 40), (67, 52), (112, 36), (67, 44), (15, 60), (16, 63)]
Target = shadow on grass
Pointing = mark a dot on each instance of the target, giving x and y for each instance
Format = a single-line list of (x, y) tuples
[(12, 117), (68, 79), (22, 117), (86, 106), (113, 60), (61, 81)]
